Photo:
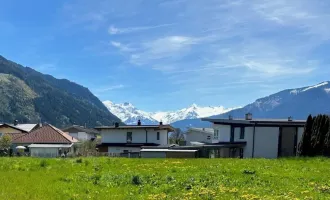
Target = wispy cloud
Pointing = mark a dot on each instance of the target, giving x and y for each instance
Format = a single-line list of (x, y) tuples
[(114, 30), (121, 46), (110, 88), (217, 42)]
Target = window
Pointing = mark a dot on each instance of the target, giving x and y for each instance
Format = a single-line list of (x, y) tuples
[(158, 136), (1, 134), (216, 134), (242, 133), (208, 137), (129, 137)]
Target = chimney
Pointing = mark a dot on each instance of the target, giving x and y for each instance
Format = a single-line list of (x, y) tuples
[(248, 116), (161, 123), (116, 124), (15, 122), (139, 123), (290, 119), (230, 117)]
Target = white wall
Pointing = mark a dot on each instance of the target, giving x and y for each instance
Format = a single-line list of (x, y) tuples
[(152, 136), (44, 152), (266, 142), (224, 132), (81, 136), (197, 136), (138, 136)]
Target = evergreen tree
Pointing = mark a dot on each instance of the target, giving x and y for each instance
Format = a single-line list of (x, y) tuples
[(326, 146), (314, 137), (305, 143), (324, 127)]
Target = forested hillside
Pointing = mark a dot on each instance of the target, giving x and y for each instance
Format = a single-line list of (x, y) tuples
[(30, 96)]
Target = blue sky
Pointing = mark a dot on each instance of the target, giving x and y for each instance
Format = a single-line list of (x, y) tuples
[(166, 54)]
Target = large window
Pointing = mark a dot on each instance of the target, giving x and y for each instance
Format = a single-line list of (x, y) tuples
[(242, 133), (129, 137), (216, 134), (158, 136)]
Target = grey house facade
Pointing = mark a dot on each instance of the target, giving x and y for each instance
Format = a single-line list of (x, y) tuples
[(263, 138)]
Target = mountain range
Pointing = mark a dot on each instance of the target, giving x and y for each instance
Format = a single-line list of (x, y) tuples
[(32, 97), (129, 114), (297, 103)]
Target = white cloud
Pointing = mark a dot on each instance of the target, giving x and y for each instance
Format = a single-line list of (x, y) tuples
[(215, 42), (114, 30), (121, 47)]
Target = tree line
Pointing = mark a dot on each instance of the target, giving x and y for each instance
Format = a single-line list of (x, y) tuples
[(316, 137)]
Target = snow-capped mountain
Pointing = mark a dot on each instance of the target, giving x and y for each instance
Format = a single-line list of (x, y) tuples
[(298, 103), (130, 114), (192, 112)]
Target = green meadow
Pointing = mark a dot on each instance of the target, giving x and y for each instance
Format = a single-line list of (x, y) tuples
[(120, 178)]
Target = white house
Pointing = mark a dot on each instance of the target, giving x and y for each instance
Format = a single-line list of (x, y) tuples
[(199, 135), (81, 133), (130, 138), (257, 138)]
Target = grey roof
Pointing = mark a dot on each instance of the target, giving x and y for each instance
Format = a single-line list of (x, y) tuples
[(26, 127), (169, 150), (22, 127), (168, 127), (50, 145), (257, 121), (82, 129)]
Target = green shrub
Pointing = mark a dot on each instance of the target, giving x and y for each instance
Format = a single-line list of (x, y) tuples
[(44, 163), (136, 180)]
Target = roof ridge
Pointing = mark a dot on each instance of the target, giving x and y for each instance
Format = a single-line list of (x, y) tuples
[(61, 133)]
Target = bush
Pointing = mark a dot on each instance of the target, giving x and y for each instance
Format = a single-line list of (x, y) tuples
[(44, 163), (136, 180)]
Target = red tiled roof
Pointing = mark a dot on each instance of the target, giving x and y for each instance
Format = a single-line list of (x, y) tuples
[(15, 136), (47, 134)]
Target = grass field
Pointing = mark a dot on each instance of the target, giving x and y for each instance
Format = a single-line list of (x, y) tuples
[(116, 178)]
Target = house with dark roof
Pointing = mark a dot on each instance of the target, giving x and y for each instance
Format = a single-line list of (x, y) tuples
[(46, 141), (17, 128), (255, 138), (118, 139), (81, 133)]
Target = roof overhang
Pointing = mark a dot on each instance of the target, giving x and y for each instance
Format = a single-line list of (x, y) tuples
[(169, 128), (257, 122), (170, 150), (126, 144)]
